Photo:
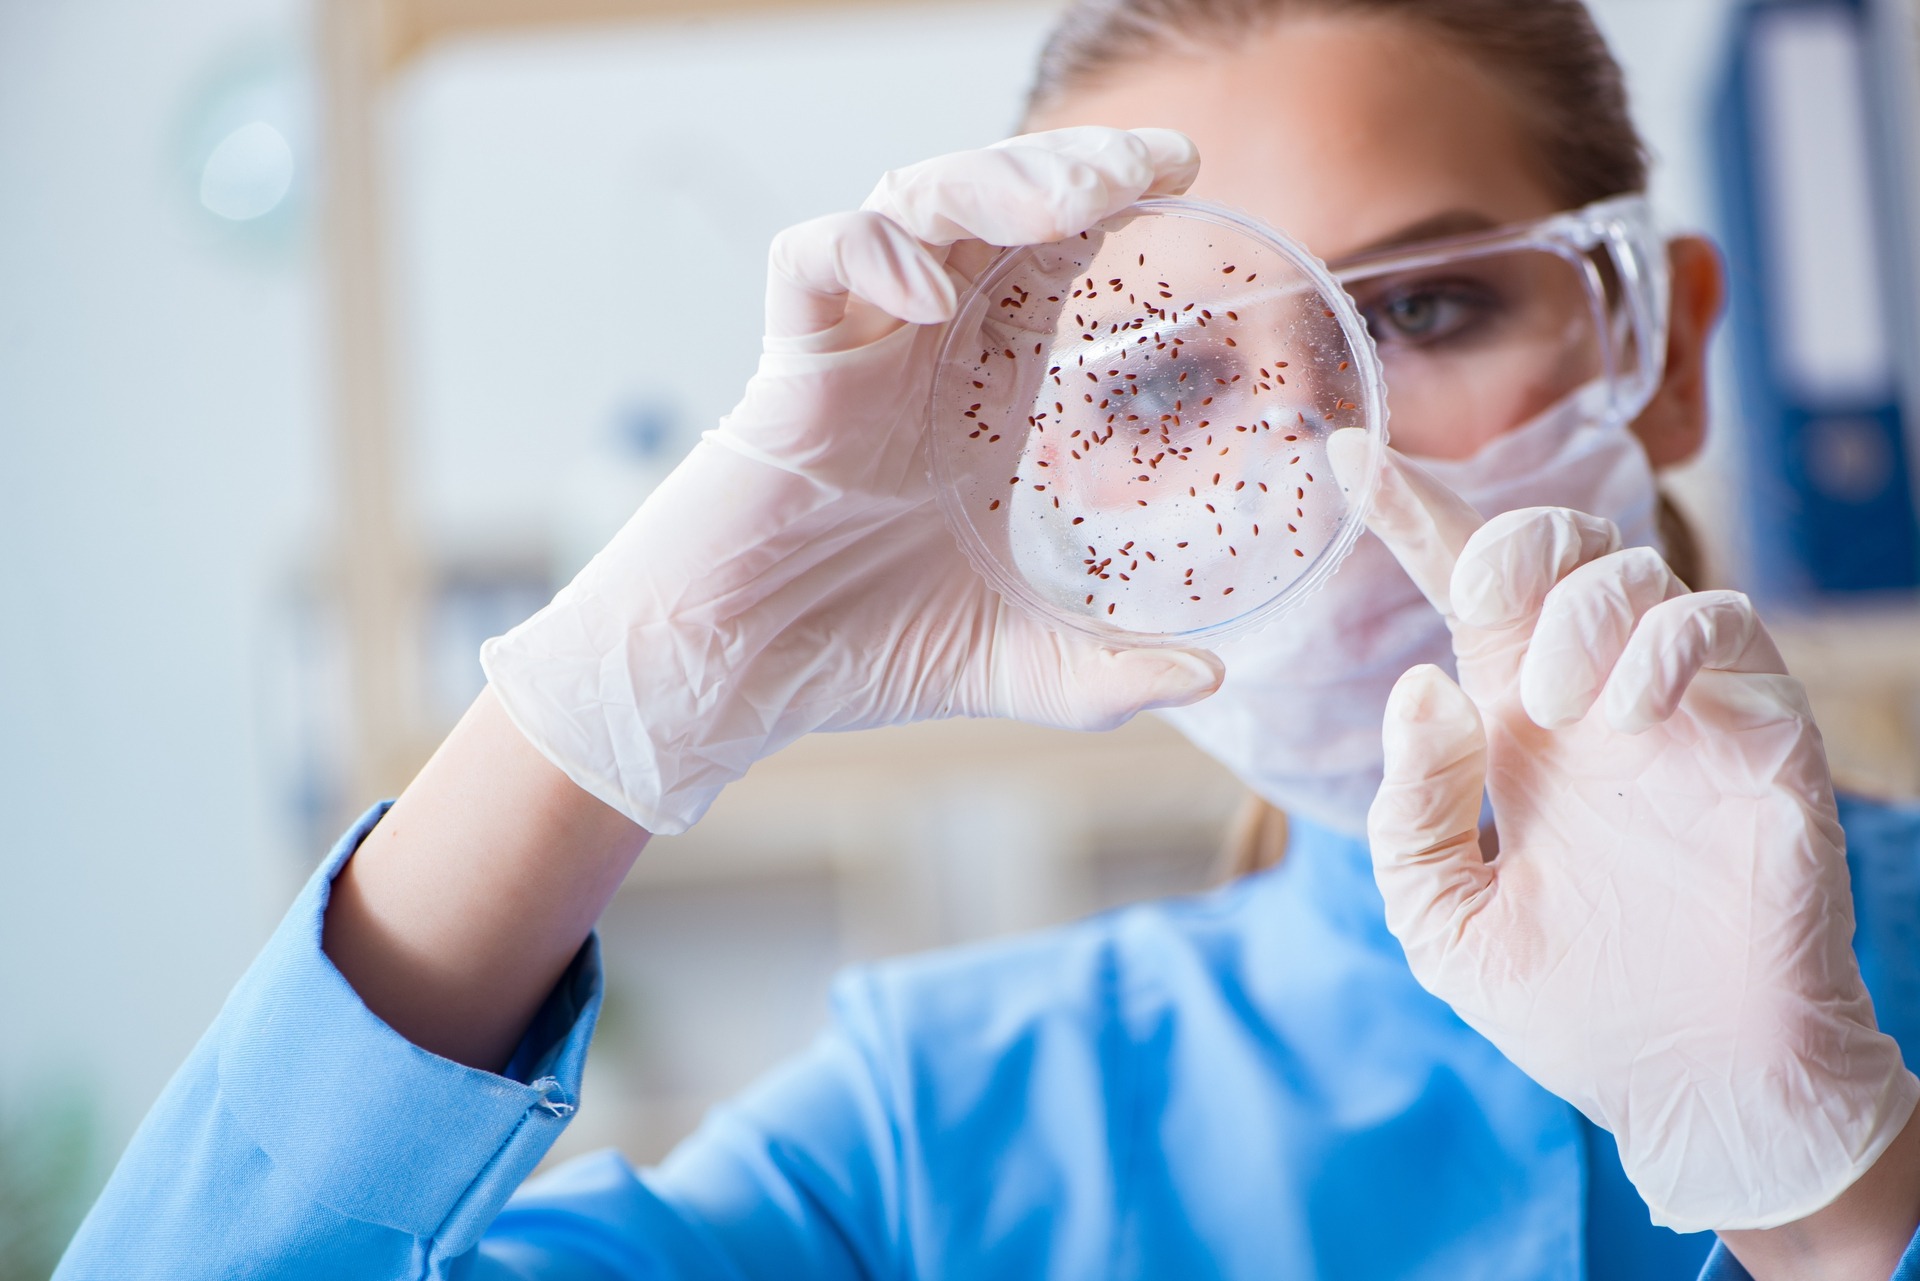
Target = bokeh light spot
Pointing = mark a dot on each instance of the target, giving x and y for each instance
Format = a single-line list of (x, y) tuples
[(248, 174)]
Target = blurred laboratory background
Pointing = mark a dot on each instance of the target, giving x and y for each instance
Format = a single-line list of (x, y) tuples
[(336, 334)]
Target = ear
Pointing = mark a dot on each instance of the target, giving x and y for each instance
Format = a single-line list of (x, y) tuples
[(1674, 424)]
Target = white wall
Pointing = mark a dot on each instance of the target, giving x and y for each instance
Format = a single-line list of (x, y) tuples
[(584, 220), (158, 418)]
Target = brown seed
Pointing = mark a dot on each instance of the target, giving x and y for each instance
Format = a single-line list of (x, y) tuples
[(1089, 599), (1227, 592), (994, 506)]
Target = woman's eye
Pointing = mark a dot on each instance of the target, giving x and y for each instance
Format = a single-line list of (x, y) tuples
[(1427, 314), (1158, 392)]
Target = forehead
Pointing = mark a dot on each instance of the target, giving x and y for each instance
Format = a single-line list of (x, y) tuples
[(1343, 132)]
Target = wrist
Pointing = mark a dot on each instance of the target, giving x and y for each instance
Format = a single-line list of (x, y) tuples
[(474, 892), (1860, 1236)]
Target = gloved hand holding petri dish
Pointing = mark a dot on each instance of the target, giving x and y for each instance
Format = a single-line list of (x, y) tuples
[(1128, 427)]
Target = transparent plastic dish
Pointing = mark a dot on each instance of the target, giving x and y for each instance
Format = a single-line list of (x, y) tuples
[(1128, 428)]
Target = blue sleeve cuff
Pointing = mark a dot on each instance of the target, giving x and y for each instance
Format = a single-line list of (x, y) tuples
[(369, 1124)]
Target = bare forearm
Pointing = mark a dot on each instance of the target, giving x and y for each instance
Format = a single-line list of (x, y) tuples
[(1860, 1237), (468, 901)]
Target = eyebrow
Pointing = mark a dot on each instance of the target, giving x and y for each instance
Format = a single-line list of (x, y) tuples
[(1452, 222)]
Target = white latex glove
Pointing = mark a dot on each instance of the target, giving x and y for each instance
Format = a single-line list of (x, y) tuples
[(1665, 936), (794, 574)]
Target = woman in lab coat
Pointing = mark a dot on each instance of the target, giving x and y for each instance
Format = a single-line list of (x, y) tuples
[(1395, 1054)]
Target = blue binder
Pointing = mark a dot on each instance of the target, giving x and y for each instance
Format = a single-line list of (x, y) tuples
[(1820, 291)]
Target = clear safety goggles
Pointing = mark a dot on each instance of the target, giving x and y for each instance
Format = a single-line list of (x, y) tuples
[(1481, 333)]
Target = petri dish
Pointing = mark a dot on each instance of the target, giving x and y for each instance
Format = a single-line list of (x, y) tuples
[(1127, 428)]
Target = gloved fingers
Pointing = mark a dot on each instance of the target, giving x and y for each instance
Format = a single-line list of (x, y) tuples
[(815, 268), (1111, 687), (1511, 564), (1423, 523), (1584, 625), (1047, 677), (1172, 159), (1676, 640), (1424, 826), (1036, 188)]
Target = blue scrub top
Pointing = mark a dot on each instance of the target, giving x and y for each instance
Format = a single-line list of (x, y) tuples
[(1247, 1083)]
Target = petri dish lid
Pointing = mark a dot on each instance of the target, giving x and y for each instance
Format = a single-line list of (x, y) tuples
[(1127, 428)]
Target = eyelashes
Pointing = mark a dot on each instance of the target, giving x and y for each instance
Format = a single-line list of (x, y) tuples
[(1422, 314)]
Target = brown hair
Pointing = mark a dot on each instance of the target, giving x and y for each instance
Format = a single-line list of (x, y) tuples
[(1547, 53)]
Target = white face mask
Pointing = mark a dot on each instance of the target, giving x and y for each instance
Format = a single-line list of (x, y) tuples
[(1298, 718)]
